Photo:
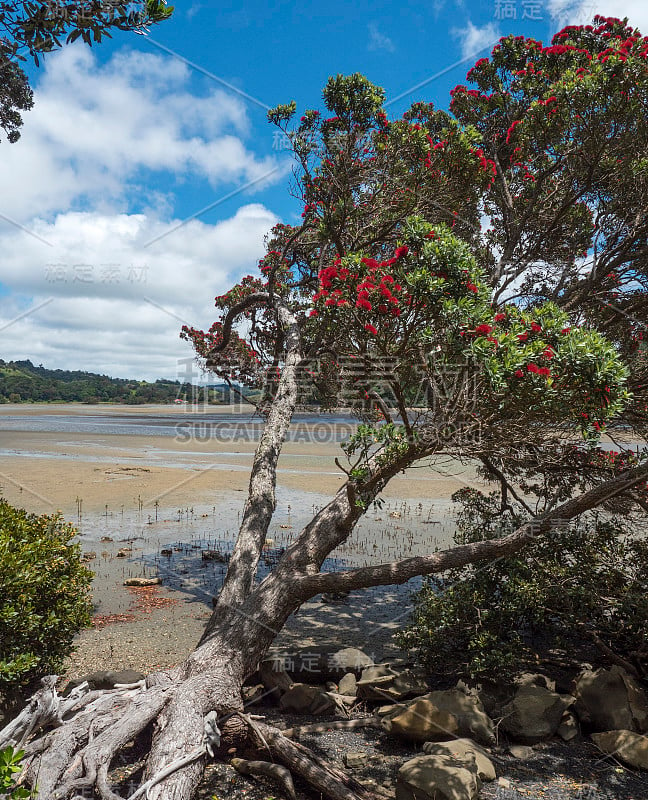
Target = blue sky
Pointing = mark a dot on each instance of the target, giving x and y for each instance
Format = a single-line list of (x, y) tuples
[(147, 174)]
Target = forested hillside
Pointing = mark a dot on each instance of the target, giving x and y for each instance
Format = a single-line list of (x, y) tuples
[(21, 381)]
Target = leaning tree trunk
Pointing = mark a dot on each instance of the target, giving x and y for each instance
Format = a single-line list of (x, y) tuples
[(179, 704)]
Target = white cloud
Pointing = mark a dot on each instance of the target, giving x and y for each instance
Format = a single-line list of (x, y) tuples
[(378, 40), (116, 306), (95, 285), (581, 12), (95, 130), (473, 39)]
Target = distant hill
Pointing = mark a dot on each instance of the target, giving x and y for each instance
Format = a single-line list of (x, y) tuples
[(22, 382)]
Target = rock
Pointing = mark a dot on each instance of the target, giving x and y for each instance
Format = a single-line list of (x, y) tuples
[(106, 539), (124, 552), (521, 751), (106, 679), (321, 665), (88, 556), (349, 659), (213, 555), (304, 699), (505, 783), (628, 746), (384, 682), (347, 685), (439, 715), (438, 778), (166, 552), (535, 679), (459, 748), (492, 696), (422, 720), (534, 713), (142, 582), (611, 700), (568, 728), (354, 759)]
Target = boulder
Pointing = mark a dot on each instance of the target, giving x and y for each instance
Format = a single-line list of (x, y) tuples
[(442, 714), (534, 713), (347, 685), (521, 751), (422, 720), (438, 778), (321, 665), (611, 700), (459, 748), (385, 682), (568, 728), (535, 679), (304, 699), (627, 746)]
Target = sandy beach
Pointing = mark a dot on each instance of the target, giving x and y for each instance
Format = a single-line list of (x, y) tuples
[(155, 478)]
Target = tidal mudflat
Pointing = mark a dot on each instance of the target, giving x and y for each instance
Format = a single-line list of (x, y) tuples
[(153, 490)]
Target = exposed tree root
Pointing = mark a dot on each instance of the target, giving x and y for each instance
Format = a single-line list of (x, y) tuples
[(323, 777), (266, 770)]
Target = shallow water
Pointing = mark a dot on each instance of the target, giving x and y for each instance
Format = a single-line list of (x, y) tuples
[(396, 531)]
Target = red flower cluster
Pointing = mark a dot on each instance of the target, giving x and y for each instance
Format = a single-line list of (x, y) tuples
[(536, 370), (509, 132)]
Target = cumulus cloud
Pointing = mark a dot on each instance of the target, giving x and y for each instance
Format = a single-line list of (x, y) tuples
[(473, 40), (96, 131), (96, 297), (581, 12), (97, 272)]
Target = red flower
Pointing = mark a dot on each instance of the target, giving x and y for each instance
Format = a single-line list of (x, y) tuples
[(483, 329), (548, 353), (402, 251), (509, 132), (313, 313), (535, 327), (533, 368), (362, 303), (499, 317), (371, 329), (471, 287), (565, 330), (523, 336), (519, 373)]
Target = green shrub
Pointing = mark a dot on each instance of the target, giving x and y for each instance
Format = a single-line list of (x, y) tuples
[(44, 596), (491, 620), (10, 764)]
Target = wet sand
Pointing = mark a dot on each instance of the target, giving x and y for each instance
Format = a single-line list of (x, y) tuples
[(184, 492)]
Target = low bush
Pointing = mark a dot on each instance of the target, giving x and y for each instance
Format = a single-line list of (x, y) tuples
[(581, 589), (44, 596)]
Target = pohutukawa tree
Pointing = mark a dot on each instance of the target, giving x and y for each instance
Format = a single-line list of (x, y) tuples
[(494, 259)]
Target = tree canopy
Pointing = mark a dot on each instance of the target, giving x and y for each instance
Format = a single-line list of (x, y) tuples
[(30, 29)]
